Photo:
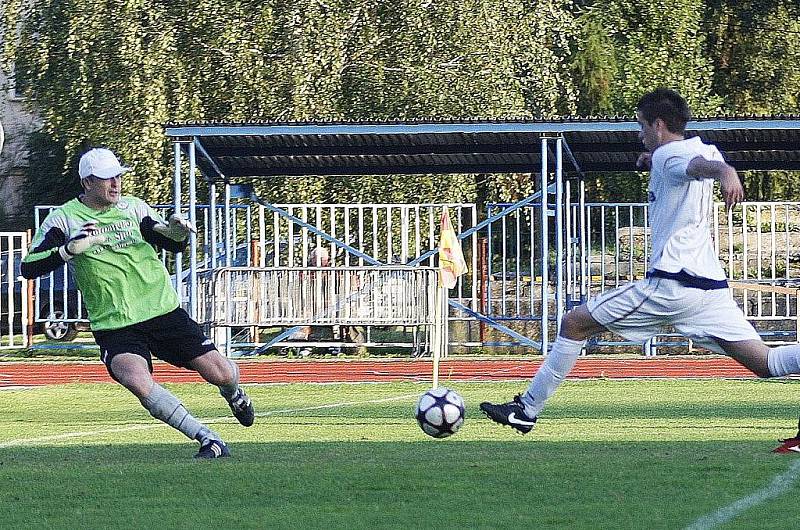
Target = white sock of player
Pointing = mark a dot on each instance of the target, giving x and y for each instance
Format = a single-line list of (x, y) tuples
[(551, 373), (228, 391), (163, 405), (784, 360)]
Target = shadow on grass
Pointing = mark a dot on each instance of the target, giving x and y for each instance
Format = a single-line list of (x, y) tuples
[(419, 484)]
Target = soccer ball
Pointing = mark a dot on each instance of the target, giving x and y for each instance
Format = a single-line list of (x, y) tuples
[(440, 412)]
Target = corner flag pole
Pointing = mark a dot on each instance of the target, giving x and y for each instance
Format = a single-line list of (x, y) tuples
[(451, 266), (437, 336), (441, 336)]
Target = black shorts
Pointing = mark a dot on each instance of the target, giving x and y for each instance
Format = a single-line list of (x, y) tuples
[(174, 338)]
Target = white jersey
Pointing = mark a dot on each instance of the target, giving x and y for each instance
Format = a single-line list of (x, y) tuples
[(680, 209)]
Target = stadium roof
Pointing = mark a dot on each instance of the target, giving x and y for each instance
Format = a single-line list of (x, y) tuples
[(264, 149)]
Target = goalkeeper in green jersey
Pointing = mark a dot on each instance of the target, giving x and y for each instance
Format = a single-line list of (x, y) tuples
[(110, 243)]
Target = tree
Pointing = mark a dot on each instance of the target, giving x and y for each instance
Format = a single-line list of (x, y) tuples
[(113, 72), (630, 47), (756, 47)]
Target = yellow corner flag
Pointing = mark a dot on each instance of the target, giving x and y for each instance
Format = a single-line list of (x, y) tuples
[(451, 257)]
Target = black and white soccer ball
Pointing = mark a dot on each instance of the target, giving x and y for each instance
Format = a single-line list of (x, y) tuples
[(440, 412)]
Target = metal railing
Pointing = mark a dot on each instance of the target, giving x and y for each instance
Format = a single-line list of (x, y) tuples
[(13, 291), (391, 233), (605, 245), (758, 245), (324, 296)]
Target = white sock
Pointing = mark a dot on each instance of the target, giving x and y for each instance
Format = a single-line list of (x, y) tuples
[(784, 360), (551, 373), (163, 405)]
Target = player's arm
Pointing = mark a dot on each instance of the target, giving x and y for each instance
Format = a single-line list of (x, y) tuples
[(159, 240), (51, 247), (171, 235), (644, 161), (731, 186), (43, 256)]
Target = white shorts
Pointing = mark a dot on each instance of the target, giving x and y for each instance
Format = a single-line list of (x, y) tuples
[(638, 310)]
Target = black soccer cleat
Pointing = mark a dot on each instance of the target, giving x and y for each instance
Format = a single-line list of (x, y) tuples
[(213, 449), (242, 408), (511, 414)]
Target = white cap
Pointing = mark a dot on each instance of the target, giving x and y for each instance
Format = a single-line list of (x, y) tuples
[(101, 163)]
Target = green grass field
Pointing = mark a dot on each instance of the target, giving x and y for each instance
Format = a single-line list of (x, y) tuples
[(606, 454)]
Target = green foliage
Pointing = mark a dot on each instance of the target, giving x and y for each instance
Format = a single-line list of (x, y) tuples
[(595, 66), (736, 57), (113, 72), (756, 47), (633, 46), (629, 47), (47, 162)]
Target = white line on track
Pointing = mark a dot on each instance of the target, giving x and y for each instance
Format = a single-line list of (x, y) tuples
[(780, 484), (222, 419)]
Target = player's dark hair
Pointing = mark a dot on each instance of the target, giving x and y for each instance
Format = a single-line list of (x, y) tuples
[(665, 104)]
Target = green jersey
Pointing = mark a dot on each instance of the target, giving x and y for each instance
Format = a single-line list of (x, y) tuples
[(123, 281)]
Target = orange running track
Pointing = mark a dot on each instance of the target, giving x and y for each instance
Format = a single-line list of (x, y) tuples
[(352, 371)]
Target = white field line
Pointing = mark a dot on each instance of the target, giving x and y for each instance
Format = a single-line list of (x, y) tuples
[(780, 484), (221, 419)]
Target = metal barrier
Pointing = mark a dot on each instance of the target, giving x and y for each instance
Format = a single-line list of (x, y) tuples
[(13, 291), (755, 241), (758, 244), (605, 245), (392, 233), (324, 296), (773, 308)]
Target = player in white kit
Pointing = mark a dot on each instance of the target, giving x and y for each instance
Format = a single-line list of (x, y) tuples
[(685, 285)]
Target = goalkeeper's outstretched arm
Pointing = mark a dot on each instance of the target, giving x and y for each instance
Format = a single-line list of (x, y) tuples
[(159, 240), (51, 247), (171, 235), (44, 257)]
